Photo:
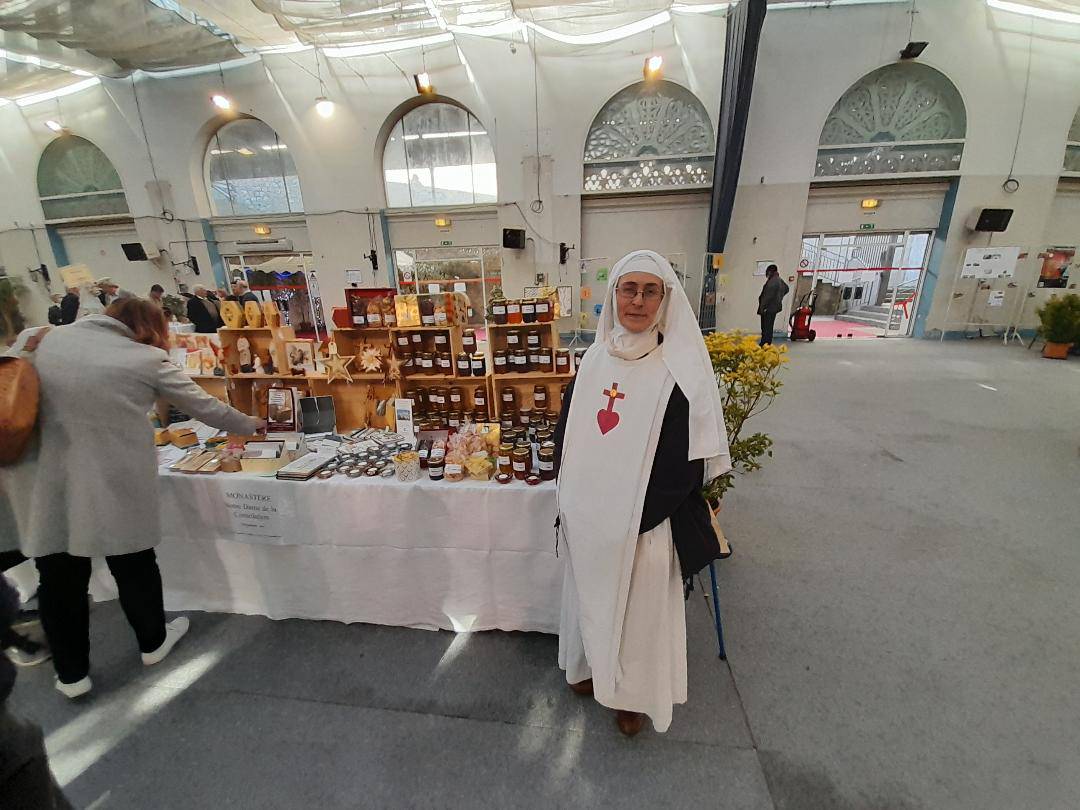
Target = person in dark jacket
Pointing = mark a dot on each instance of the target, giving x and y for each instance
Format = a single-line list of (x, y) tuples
[(642, 428), (204, 311), (26, 783), (242, 293), (55, 314), (69, 306), (770, 302)]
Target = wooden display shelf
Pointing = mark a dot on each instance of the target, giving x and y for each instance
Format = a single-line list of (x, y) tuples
[(251, 328), (253, 376), (523, 325), (514, 376), (445, 328)]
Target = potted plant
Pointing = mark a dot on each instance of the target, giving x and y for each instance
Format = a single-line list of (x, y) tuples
[(748, 376), (1059, 320)]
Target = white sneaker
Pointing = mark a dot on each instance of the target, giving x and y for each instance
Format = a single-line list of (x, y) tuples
[(74, 690), (21, 658), (174, 631)]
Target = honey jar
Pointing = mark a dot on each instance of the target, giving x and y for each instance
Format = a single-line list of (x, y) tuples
[(521, 361), (468, 341), (545, 363), (520, 461), (499, 359), (402, 340), (513, 339), (505, 463), (513, 311), (479, 365), (463, 365), (545, 313), (498, 311), (446, 364), (455, 397), (528, 310), (546, 458), (479, 397), (509, 398), (442, 342), (540, 397)]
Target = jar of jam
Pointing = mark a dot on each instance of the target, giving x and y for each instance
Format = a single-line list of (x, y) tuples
[(455, 420), (521, 361), (528, 310), (525, 417), (402, 340), (427, 311), (417, 339), (498, 311), (547, 363), (479, 365), (455, 397), (509, 398), (463, 365), (505, 452), (553, 418), (579, 355), (468, 341), (562, 361), (479, 397), (424, 450), (499, 359), (436, 469), (513, 339), (442, 341), (540, 397), (427, 363), (481, 415), (513, 311), (506, 422), (520, 459), (446, 363), (547, 464), (534, 358), (545, 313)]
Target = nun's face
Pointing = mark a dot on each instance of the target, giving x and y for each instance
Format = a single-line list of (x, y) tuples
[(638, 297)]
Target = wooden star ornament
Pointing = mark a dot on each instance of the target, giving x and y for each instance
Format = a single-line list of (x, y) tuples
[(394, 365), (336, 365), (371, 359)]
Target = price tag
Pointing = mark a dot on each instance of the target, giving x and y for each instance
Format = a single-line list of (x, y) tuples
[(434, 289)]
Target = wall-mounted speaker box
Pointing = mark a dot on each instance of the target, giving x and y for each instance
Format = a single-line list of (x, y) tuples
[(992, 220), (514, 238), (134, 251)]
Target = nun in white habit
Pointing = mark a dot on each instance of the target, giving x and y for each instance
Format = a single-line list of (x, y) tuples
[(642, 428)]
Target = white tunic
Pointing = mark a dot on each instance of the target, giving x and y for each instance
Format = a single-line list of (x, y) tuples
[(623, 622)]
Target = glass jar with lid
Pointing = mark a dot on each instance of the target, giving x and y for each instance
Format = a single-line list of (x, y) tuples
[(479, 365), (520, 460), (442, 341), (417, 339), (513, 339), (480, 397), (406, 358), (546, 458), (446, 363), (579, 355), (545, 362), (402, 340), (540, 397), (506, 422), (509, 398), (524, 417), (498, 311), (505, 452), (499, 359), (468, 341), (528, 310), (521, 361), (513, 310), (532, 339), (455, 397), (427, 363), (427, 311), (463, 365), (562, 361), (545, 313)]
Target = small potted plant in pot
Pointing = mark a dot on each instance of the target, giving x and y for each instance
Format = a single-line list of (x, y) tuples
[(1059, 320)]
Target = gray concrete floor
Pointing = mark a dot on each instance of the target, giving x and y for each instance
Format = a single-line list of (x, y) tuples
[(902, 613)]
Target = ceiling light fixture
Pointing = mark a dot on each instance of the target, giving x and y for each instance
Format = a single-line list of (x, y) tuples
[(55, 126), (243, 150), (654, 67), (221, 102), (423, 84), (324, 106)]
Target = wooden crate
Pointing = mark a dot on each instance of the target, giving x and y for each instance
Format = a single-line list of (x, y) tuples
[(213, 385), (263, 340), (357, 404), (524, 385)]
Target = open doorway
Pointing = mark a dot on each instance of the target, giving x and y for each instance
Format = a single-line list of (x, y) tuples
[(864, 285)]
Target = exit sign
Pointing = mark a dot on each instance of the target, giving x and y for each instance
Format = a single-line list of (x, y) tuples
[(447, 242), (866, 226)]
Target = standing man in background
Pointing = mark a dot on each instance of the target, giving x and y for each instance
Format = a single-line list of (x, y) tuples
[(55, 315), (157, 292), (770, 302), (203, 311), (69, 306), (242, 292), (110, 291)]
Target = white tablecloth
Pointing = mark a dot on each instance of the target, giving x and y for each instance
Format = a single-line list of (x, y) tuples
[(464, 555)]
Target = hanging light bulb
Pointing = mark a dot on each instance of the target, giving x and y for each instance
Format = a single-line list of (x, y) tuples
[(324, 106), (654, 66), (55, 126), (221, 102)]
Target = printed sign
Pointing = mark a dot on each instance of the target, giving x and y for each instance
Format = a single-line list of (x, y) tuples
[(996, 299), (75, 275), (586, 293), (259, 509), (990, 262), (602, 274)]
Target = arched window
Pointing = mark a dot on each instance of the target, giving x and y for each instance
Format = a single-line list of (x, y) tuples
[(249, 172), (904, 118), (76, 181), (1072, 147), (650, 135), (438, 154)]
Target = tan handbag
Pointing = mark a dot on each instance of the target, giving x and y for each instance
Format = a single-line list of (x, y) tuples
[(20, 395), (725, 548)]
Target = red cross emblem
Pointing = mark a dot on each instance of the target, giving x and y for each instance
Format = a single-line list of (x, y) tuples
[(607, 418)]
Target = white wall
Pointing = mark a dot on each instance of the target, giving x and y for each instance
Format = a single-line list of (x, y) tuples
[(808, 57)]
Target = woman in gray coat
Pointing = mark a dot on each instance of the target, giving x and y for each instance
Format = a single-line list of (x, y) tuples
[(88, 484)]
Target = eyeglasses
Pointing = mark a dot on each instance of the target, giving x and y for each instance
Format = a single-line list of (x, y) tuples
[(650, 292)]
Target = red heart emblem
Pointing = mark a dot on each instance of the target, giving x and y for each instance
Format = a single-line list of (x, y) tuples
[(607, 420)]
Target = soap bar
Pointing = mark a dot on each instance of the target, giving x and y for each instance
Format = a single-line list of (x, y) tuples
[(162, 437), (184, 438)]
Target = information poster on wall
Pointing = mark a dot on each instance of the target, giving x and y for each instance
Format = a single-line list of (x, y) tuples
[(1054, 270), (990, 262), (259, 510), (761, 267), (996, 298)]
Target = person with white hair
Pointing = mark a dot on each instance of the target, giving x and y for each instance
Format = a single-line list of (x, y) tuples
[(242, 292), (203, 311), (642, 428)]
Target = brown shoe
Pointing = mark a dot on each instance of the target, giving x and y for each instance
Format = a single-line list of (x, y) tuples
[(584, 688), (630, 723)]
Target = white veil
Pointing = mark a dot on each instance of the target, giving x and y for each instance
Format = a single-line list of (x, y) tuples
[(684, 354)]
